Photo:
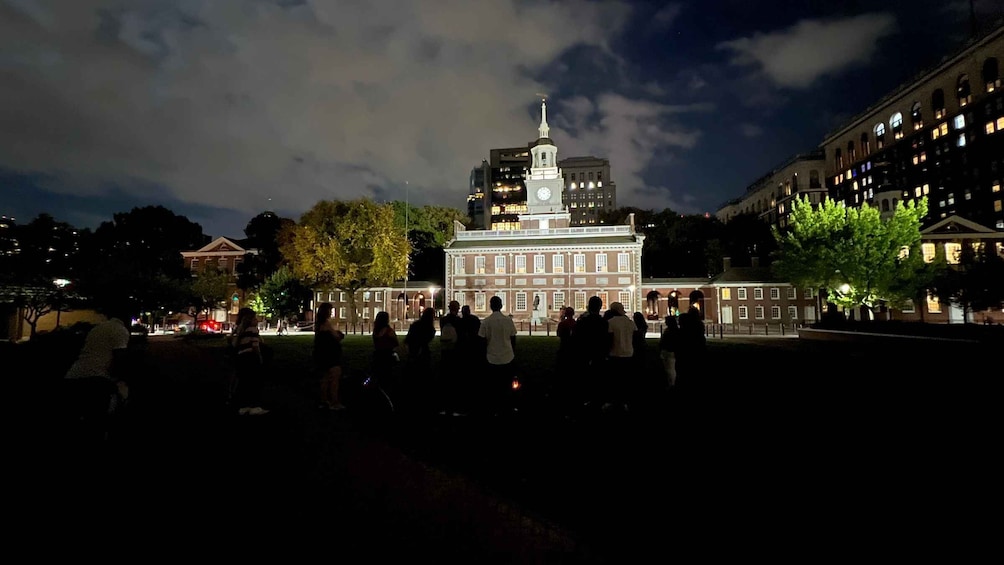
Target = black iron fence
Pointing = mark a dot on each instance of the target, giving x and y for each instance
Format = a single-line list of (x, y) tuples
[(548, 328)]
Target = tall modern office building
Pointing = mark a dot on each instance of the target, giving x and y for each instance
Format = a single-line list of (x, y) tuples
[(587, 189)]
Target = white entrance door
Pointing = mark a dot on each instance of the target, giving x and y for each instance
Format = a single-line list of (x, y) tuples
[(726, 314), (809, 314), (955, 314), (539, 306)]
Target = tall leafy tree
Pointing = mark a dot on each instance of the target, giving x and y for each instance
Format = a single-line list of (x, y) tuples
[(265, 233), (429, 228), (209, 290), (134, 261), (851, 252), (283, 294), (348, 246)]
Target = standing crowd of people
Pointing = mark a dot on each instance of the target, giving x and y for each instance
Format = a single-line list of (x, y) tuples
[(602, 360)]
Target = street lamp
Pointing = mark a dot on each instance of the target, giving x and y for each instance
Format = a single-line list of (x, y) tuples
[(432, 293)]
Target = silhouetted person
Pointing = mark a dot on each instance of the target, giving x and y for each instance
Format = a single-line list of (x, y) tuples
[(592, 346), (667, 349), (620, 369), (385, 344), (691, 349), (450, 367), (499, 334), (249, 364), (327, 355), (417, 381)]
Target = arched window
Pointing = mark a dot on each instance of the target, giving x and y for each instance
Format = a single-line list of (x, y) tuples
[(814, 179), (865, 145), (879, 135), (991, 76), (938, 104), (896, 124), (838, 159), (794, 182), (851, 154), (915, 118), (962, 90)]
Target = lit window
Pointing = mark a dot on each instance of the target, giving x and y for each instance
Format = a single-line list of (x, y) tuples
[(953, 251), (479, 302), (933, 305), (927, 189), (961, 142), (521, 263), (1000, 124), (996, 187), (558, 300), (500, 264), (928, 250), (580, 263), (959, 122), (726, 293), (580, 301), (916, 192), (479, 265), (558, 263), (623, 262), (601, 262), (989, 127), (997, 205)]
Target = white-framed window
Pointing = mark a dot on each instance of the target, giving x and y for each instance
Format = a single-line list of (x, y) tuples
[(604, 299), (623, 262), (341, 297), (538, 263), (758, 293), (558, 300), (521, 301), (341, 313), (741, 293), (744, 313), (726, 293), (378, 296), (501, 295), (775, 312), (331, 297), (521, 263), (479, 265), (459, 297), (808, 293), (580, 263), (908, 307), (601, 262), (460, 265), (791, 293), (480, 299), (580, 301), (759, 312), (558, 263), (320, 297), (366, 313), (500, 264), (195, 264), (775, 293), (367, 295), (624, 297), (793, 313)]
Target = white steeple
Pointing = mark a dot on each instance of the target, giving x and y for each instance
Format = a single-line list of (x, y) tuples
[(543, 129)]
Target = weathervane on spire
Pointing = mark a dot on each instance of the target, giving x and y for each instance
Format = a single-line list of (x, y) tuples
[(543, 130)]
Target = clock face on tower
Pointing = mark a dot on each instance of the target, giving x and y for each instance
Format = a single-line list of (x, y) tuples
[(543, 193)]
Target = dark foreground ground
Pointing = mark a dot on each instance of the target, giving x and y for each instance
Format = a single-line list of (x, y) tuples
[(791, 451)]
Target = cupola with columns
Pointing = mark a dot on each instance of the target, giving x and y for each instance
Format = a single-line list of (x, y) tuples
[(543, 183)]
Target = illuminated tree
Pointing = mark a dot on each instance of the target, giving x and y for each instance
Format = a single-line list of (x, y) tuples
[(348, 246), (859, 258), (210, 289), (283, 294)]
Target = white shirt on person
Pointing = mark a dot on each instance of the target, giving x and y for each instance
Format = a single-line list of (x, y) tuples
[(95, 359), (622, 329), (498, 330)]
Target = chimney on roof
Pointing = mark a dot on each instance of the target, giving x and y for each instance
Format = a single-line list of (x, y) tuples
[(726, 263), (755, 262)]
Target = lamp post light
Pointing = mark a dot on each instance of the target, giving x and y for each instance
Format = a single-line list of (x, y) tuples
[(432, 293)]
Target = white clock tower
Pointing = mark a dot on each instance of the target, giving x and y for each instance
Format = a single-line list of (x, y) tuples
[(543, 183)]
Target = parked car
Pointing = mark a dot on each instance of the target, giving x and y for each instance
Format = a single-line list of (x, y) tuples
[(211, 326)]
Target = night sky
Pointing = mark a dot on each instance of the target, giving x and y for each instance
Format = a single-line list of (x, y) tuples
[(220, 110)]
